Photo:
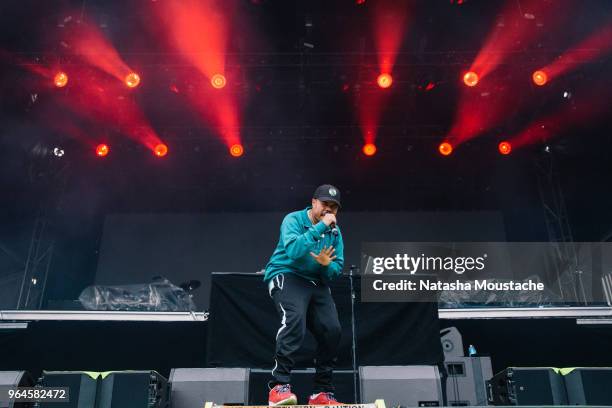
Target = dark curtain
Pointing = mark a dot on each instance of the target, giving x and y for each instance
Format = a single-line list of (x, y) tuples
[(243, 324)]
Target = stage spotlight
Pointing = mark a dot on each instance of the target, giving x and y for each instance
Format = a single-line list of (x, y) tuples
[(218, 81), (102, 150), (470, 78), (504, 147), (237, 150), (132, 80), (445, 148), (60, 79), (369, 149), (58, 152), (539, 78), (384, 80), (160, 150)]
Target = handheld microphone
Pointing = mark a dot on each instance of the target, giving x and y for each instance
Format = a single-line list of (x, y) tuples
[(334, 229)]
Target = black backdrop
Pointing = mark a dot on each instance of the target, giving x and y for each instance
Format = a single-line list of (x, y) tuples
[(136, 247), (243, 323)]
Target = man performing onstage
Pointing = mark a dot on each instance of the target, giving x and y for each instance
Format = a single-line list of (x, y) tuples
[(309, 253)]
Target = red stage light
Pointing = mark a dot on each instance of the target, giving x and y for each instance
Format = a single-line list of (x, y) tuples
[(384, 80), (102, 150), (445, 148), (505, 148), (237, 150), (470, 78), (218, 81), (60, 79), (132, 80), (369, 149), (539, 78), (160, 150)]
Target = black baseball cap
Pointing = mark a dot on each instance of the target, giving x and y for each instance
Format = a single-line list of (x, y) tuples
[(327, 192)]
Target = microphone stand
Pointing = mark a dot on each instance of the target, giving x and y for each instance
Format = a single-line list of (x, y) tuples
[(353, 335)]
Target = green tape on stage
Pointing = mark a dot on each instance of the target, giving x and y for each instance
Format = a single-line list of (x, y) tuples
[(93, 374), (567, 370), (105, 374)]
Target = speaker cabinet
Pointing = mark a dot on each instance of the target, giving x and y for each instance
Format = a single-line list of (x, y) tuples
[(132, 389), (413, 386), (15, 379), (588, 385), (82, 388), (467, 380), (192, 387), (527, 386)]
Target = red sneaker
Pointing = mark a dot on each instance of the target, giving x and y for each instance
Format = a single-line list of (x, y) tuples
[(323, 398), (281, 395)]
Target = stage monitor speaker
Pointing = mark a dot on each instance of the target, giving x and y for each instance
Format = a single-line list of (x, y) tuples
[(452, 342), (15, 379), (192, 387), (82, 388), (132, 389), (588, 385), (467, 380), (527, 386), (413, 386)]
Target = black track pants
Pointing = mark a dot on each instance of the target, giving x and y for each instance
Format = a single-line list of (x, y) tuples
[(303, 304)]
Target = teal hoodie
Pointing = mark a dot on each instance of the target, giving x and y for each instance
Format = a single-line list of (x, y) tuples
[(299, 237)]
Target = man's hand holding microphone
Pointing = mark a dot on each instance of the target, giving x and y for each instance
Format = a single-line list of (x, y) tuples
[(329, 219), (326, 256)]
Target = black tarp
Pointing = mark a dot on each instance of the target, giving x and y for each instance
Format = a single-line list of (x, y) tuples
[(103, 346), (243, 324)]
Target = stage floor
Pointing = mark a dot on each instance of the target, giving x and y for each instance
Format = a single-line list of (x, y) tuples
[(585, 315)]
